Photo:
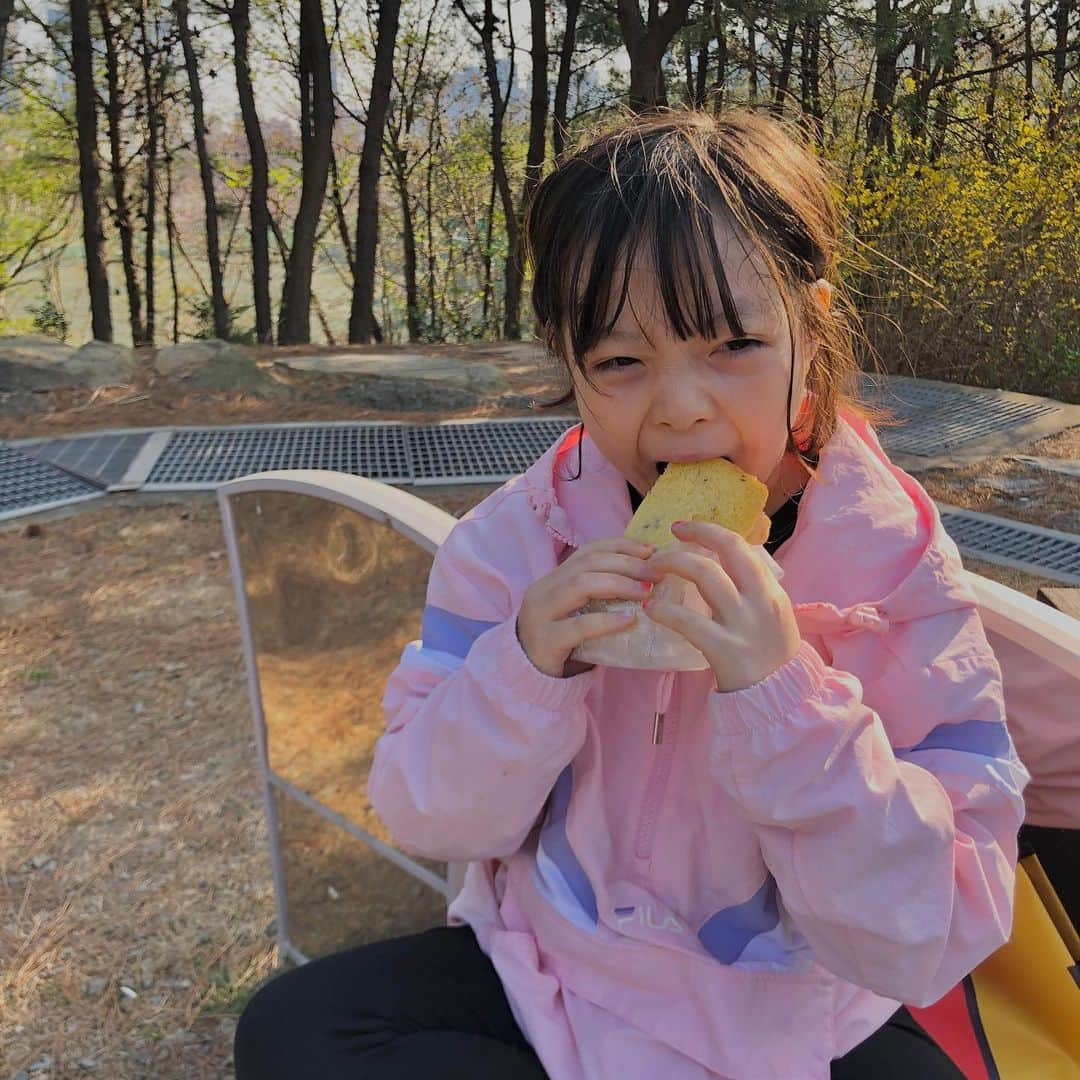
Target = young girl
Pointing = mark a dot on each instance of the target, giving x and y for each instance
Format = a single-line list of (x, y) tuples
[(739, 872)]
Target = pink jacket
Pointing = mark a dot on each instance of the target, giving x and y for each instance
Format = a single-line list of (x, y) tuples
[(758, 893)]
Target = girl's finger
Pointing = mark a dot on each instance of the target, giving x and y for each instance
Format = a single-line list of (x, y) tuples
[(628, 565), (701, 631), (617, 544), (598, 623), (742, 566), (578, 591), (716, 587)]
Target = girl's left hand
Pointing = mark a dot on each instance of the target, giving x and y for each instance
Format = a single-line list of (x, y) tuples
[(753, 630)]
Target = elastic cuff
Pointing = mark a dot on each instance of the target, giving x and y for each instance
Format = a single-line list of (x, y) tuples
[(534, 685), (775, 698)]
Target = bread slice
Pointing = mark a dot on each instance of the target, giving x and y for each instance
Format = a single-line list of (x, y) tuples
[(715, 491)]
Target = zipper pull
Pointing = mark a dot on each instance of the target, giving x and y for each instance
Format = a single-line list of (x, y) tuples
[(663, 697)]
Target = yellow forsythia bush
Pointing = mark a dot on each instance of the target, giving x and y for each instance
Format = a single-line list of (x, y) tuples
[(968, 269)]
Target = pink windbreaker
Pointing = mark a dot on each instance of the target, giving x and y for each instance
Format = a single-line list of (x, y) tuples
[(759, 892)]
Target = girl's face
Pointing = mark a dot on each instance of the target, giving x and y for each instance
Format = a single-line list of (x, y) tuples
[(659, 398)]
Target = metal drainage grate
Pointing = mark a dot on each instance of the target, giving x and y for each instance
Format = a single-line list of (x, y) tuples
[(938, 418), (28, 485), (206, 458), (1045, 552), (488, 451), (103, 459)]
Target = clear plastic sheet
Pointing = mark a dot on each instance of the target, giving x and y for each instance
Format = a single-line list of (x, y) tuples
[(646, 644)]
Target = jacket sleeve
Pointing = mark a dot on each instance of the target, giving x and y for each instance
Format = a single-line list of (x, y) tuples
[(897, 864), (475, 736)]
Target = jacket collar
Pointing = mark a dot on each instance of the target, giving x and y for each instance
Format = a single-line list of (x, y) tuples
[(882, 531)]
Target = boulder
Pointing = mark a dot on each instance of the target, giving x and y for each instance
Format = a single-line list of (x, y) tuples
[(235, 368), (404, 395), (102, 363), (19, 377), (34, 350), (185, 359), (217, 365), (403, 382)]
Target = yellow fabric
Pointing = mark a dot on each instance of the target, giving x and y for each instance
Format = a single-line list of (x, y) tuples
[(1028, 1000)]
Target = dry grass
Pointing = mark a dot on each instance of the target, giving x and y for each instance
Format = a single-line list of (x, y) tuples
[(132, 841)]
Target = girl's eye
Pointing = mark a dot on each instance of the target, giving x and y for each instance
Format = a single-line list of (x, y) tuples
[(614, 364), (739, 344)]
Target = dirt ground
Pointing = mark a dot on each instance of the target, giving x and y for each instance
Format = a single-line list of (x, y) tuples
[(136, 907)]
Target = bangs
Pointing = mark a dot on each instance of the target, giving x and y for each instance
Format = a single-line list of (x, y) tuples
[(674, 238), (659, 217)]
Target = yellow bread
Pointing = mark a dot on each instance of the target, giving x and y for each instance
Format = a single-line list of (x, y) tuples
[(715, 491)]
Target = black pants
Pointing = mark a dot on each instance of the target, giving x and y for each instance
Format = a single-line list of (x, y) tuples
[(431, 1006)]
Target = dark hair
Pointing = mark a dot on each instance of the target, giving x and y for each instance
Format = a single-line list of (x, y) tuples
[(656, 181)]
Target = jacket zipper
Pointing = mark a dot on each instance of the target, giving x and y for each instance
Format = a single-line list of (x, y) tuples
[(664, 736)]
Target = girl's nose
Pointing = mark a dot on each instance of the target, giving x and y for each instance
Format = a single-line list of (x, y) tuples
[(684, 405)]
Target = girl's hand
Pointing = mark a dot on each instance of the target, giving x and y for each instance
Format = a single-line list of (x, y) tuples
[(753, 630), (603, 570)]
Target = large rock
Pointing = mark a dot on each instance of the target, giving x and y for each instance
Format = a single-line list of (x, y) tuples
[(404, 395), (34, 362), (22, 377), (185, 359), (101, 363), (34, 350), (217, 365), (403, 382)]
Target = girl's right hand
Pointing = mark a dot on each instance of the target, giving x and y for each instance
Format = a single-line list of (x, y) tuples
[(547, 627)]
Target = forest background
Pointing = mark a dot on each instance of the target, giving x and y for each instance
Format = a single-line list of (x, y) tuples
[(322, 171)]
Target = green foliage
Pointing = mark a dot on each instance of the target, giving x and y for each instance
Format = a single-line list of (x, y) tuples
[(37, 181), (50, 320), (202, 311)]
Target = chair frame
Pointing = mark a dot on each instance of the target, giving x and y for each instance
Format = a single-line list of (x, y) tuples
[(1050, 634), (426, 526)]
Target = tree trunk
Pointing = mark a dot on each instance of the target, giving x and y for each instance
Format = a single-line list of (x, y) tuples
[(170, 233), (408, 242), (701, 85), (886, 53), (997, 50), (534, 165), (720, 33), (434, 326), (316, 129), (150, 208), (240, 20), (362, 315), (82, 57), (1029, 60), (485, 30), (114, 110), (646, 43), (1061, 57), (783, 78), (6, 7), (751, 54), (485, 305), (213, 246), (559, 127)]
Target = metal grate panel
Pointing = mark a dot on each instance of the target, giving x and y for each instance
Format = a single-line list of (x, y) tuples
[(938, 418), (1045, 552), (206, 458), (28, 485), (102, 459), (480, 452)]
